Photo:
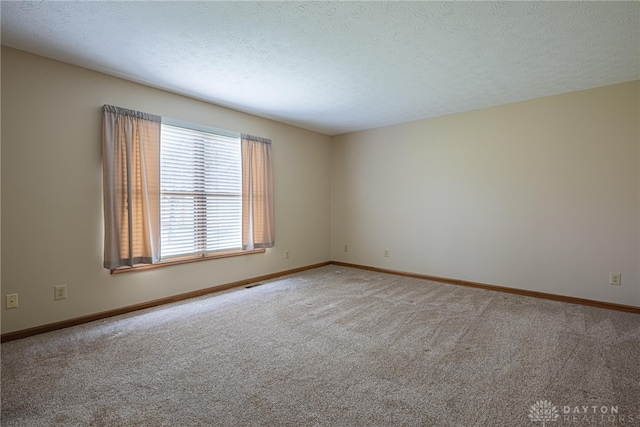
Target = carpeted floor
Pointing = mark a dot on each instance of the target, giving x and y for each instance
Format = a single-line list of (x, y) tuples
[(333, 346)]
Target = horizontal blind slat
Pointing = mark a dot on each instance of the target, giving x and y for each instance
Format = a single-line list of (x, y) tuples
[(201, 189)]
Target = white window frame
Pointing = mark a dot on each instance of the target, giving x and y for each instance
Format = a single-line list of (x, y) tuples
[(201, 250)]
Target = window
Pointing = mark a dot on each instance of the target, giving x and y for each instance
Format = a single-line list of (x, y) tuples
[(174, 190), (200, 191)]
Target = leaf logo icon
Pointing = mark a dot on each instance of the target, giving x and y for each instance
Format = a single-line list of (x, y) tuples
[(543, 410)]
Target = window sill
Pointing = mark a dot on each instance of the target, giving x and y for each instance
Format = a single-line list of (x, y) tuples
[(186, 260)]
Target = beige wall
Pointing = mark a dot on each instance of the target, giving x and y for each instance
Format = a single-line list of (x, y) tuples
[(52, 193), (541, 195)]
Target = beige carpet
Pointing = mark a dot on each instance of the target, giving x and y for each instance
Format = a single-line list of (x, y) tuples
[(333, 346)]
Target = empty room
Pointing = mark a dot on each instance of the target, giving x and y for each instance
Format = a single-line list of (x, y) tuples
[(320, 213)]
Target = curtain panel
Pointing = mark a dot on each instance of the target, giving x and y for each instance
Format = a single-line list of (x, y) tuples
[(258, 220), (131, 187)]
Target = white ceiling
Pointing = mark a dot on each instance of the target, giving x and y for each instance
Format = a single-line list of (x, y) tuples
[(336, 67)]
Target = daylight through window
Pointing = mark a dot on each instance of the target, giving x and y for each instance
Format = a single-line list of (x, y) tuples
[(200, 192)]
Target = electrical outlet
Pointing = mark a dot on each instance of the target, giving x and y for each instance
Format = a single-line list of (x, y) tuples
[(346, 248), (286, 254), (386, 253), (615, 279), (12, 301), (60, 292)]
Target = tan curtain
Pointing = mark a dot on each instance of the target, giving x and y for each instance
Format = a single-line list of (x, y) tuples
[(258, 221), (131, 181)]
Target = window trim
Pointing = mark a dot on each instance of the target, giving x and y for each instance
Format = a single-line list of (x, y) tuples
[(191, 126), (202, 128), (187, 260)]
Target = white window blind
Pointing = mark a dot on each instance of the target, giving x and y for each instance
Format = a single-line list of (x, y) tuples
[(200, 192)]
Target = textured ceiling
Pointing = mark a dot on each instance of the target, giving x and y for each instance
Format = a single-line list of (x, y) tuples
[(336, 67)]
